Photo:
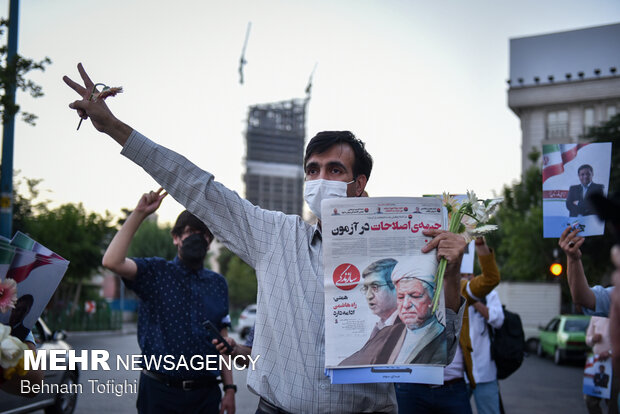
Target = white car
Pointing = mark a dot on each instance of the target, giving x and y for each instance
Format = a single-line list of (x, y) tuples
[(246, 320)]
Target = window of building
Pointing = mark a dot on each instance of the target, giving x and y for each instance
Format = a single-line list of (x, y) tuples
[(588, 119), (557, 124), (611, 111)]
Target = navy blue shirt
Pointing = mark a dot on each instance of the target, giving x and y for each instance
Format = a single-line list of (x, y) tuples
[(174, 302)]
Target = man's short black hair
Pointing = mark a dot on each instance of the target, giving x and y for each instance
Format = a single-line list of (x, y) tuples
[(26, 298), (585, 166), (383, 267), (188, 219), (327, 139)]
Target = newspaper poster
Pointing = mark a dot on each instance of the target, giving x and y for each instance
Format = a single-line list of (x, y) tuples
[(571, 173), (37, 271), (597, 377), (379, 285)]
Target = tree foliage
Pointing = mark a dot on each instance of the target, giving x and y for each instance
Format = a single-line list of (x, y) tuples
[(15, 71), (152, 240), (522, 253), (75, 234), (69, 230), (241, 278)]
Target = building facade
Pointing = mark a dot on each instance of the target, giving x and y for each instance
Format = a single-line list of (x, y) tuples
[(275, 141), (563, 83)]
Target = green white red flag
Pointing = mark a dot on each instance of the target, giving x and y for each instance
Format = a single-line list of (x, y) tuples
[(555, 156)]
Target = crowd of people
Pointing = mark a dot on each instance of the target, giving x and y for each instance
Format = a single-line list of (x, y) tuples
[(289, 333)]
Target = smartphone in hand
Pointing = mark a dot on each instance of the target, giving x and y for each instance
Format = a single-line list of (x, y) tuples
[(214, 333)]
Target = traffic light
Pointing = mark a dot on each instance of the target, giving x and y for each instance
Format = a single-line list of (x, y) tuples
[(556, 269)]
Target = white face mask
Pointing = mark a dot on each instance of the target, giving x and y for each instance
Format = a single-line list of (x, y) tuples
[(316, 191)]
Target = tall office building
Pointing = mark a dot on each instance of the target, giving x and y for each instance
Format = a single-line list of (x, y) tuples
[(275, 138), (563, 83)]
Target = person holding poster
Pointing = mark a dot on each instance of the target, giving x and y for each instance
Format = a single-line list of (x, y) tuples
[(577, 201), (287, 254)]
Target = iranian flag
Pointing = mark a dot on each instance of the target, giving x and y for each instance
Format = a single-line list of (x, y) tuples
[(29, 254), (555, 156)]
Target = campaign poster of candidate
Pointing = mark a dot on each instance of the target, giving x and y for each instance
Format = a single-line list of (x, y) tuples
[(597, 377), (571, 174), (378, 284)]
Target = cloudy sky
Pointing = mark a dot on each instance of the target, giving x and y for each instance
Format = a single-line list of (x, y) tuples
[(423, 83)]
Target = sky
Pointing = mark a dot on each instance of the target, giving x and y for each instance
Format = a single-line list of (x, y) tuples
[(422, 83)]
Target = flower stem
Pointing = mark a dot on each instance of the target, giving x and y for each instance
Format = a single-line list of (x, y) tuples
[(453, 226), (441, 270)]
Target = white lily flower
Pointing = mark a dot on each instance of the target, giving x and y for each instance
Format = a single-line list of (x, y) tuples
[(5, 331), (11, 351), (487, 228)]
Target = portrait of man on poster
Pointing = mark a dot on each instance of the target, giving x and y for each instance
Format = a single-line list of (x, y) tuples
[(417, 336), (577, 201)]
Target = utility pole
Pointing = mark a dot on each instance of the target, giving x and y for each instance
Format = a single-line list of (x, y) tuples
[(8, 136)]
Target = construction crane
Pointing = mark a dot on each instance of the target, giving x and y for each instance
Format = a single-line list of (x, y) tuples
[(242, 60), (309, 86)]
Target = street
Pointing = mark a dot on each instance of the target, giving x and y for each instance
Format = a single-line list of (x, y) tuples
[(123, 345), (538, 386)]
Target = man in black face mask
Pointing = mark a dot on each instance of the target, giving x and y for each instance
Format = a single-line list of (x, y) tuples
[(166, 328)]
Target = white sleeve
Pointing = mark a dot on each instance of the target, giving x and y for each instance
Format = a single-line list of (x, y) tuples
[(496, 313)]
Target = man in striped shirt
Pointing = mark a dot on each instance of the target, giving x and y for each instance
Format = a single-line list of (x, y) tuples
[(287, 255)]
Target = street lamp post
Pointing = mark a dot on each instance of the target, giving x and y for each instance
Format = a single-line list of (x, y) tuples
[(6, 177)]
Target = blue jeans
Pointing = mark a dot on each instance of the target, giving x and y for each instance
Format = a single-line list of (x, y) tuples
[(486, 395), (424, 399)]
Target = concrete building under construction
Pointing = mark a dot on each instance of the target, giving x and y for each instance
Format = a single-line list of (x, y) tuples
[(275, 141)]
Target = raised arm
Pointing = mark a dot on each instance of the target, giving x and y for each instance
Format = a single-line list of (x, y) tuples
[(581, 293), (480, 286), (115, 257), (98, 112)]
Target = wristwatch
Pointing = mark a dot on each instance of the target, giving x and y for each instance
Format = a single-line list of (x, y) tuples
[(230, 387)]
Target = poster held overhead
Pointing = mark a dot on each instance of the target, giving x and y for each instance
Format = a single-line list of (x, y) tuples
[(572, 173)]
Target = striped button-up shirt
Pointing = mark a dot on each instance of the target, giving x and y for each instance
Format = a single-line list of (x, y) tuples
[(286, 253)]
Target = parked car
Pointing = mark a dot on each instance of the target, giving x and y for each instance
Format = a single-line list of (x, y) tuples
[(247, 319), (564, 337), (61, 403)]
